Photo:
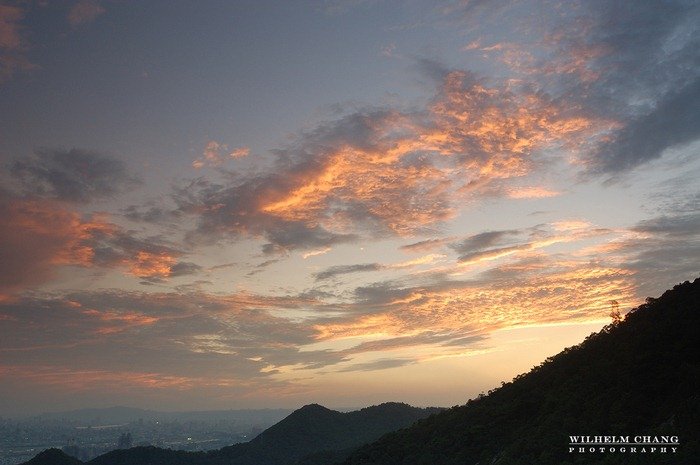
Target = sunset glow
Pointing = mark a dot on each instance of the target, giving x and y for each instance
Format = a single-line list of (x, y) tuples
[(235, 205)]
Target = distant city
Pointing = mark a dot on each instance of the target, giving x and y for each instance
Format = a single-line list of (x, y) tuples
[(87, 433)]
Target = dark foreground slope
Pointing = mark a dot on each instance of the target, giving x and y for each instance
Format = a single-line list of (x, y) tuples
[(637, 377), (311, 429)]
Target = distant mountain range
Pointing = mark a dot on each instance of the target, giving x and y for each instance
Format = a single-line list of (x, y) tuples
[(313, 429), (639, 377), (118, 414)]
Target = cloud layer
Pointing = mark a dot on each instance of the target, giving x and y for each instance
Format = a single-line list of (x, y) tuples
[(72, 175)]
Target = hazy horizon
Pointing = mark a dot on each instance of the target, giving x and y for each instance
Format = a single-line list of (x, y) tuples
[(228, 205)]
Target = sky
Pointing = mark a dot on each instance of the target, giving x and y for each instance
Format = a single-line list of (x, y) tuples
[(253, 204)]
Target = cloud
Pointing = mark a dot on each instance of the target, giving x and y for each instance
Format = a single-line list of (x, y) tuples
[(425, 245), (72, 175), (337, 270), (40, 235), (494, 245), (37, 236), (240, 152), (346, 269), (84, 11), (521, 293), (632, 71), (151, 214), (495, 253), (674, 121), (192, 335), (481, 241), (184, 269), (216, 154), (644, 76), (150, 259), (314, 253), (383, 172), (531, 193), (662, 251)]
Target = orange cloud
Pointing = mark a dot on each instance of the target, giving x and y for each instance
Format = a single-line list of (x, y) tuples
[(574, 292), (404, 170), (151, 265), (39, 235), (119, 321), (531, 193), (240, 152), (215, 154)]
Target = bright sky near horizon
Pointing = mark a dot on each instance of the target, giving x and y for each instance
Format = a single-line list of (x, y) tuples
[(248, 204)]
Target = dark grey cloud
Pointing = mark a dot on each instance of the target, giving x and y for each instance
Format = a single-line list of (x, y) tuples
[(497, 251), (260, 267), (72, 175), (153, 259), (184, 269), (291, 235), (151, 214), (673, 122), (683, 225), (481, 241), (433, 69), (334, 271), (648, 78), (667, 253)]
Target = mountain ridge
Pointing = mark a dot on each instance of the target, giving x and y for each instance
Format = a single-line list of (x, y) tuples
[(639, 376), (309, 430)]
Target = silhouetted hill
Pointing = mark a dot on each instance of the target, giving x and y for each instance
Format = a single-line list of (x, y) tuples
[(637, 377), (53, 457), (314, 428), (311, 429)]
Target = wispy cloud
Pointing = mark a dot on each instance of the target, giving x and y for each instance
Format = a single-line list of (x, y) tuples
[(216, 154)]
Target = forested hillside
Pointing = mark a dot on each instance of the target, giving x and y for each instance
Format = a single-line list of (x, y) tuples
[(640, 376)]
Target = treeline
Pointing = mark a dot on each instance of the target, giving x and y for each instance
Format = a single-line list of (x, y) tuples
[(637, 376)]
